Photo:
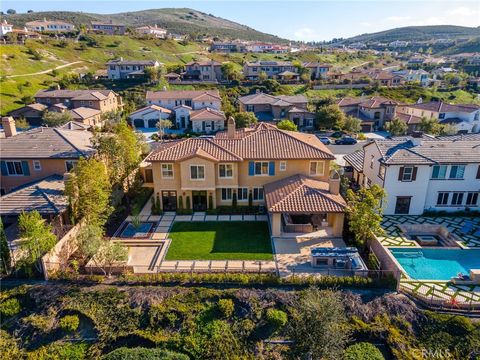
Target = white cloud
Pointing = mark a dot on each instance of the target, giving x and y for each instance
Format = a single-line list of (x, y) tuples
[(366, 24), (463, 11), (306, 34)]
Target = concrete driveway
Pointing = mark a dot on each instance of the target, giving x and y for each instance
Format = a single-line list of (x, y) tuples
[(293, 254)]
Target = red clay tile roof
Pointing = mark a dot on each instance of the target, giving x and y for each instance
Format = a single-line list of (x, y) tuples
[(264, 142), (207, 114), (301, 194)]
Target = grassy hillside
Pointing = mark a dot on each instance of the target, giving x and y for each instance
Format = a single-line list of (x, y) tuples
[(418, 33), (17, 60), (181, 21), (472, 45)]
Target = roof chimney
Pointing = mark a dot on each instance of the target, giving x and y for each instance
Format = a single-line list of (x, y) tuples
[(334, 182), (231, 127), (9, 126)]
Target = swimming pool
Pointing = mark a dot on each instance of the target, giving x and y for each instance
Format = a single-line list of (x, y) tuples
[(436, 264)]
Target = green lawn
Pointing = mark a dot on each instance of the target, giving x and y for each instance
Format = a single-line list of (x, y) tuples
[(247, 240)]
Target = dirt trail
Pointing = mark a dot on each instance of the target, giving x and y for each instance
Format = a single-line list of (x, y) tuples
[(46, 71)]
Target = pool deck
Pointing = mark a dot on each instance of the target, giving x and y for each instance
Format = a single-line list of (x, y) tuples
[(393, 237), (432, 292)]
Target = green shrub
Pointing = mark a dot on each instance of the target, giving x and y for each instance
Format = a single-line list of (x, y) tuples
[(226, 307), (10, 307), (143, 354), (42, 323), (59, 350), (361, 136), (69, 323), (363, 351), (277, 318)]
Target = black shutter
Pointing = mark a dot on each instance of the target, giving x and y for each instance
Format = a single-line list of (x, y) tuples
[(414, 173), (400, 174)]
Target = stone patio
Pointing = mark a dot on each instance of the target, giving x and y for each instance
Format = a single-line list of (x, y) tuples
[(394, 237), (443, 293)]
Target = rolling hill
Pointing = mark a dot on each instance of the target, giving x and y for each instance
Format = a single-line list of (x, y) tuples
[(179, 21), (418, 33)]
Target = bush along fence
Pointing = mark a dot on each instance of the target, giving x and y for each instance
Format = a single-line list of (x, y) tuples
[(370, 279)]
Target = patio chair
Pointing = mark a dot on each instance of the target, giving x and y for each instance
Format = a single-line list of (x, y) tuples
[(467, 227)]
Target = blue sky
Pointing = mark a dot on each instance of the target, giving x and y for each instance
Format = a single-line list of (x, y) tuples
[(296, 20)]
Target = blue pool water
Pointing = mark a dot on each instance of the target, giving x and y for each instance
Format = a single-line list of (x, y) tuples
[(436, 264), (130, 230)]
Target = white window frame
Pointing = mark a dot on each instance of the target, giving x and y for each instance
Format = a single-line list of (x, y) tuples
[(262, 163), (14, 167), (37, 165), (457, 195), (259, 191), (473, 195), (317, 173), (440, 167), (283, 166), (226, 194), (382, 171), (242, 191), (197, 167), (457, 171), (226, 168), (445, 197), (410, 178), (165, 168), (73, 164)]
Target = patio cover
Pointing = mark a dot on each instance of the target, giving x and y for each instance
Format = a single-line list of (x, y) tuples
[(300, 194)]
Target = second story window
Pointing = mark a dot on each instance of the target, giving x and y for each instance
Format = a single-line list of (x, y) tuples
[(457, 172), (36, 165), (225, 171), (316, 168), (261, 168), (14, 167), (283, 165), (381, 172), (439, 172), (197, 172), (167, 171), (407, 173)]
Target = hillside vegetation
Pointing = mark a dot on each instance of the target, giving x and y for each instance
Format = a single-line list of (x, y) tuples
[(179, 21), (418, 33)]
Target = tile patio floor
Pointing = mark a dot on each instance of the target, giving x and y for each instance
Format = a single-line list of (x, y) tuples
[(393, 236)]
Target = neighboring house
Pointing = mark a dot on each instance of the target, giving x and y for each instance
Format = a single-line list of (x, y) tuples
[(186, 105), (318, 71), (32, 113), (103, 100), (5, 28), (38, 153), (49, 26), (421, 76), (149, 116), (227, 47), (86, 116), (384, 78), (109, 28), (152, 31), (398, 44), (273, 108), (376, 111), (129, 69), (465, 117), (286, 172), (273, 70), (203, 70), (420, 173), (267, 48)]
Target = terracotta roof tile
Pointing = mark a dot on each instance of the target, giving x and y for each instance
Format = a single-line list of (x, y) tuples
[(301, 194), (182, 94)]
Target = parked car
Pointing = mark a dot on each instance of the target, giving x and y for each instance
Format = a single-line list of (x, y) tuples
[(337, 134), (325, 140), (347, 140)]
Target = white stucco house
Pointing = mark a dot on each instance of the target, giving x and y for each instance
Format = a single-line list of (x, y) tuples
[(422, 174), (5, 28), (465, 117), (148, 117)]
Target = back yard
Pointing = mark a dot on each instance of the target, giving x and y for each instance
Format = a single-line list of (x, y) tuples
[(247, 240)]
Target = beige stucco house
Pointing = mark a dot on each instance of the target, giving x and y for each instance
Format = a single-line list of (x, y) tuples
[(285, 172)]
